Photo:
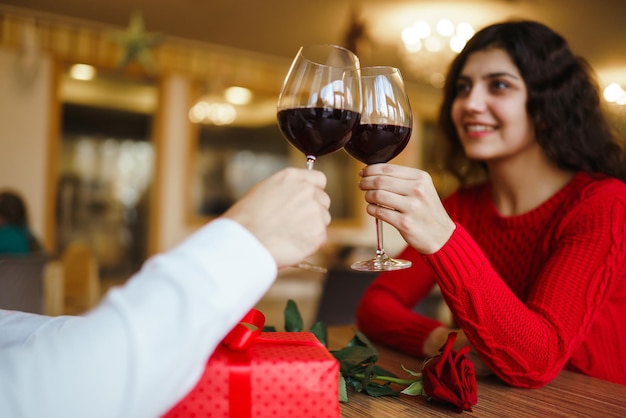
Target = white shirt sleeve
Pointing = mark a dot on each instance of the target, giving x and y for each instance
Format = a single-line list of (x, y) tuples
[(146, 344), (16, 327)]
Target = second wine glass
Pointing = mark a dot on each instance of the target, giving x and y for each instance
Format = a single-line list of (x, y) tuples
[(384, 131), (319, 104)]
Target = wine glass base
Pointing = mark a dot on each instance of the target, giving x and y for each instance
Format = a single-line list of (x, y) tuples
[(381, 263), (305, 265)]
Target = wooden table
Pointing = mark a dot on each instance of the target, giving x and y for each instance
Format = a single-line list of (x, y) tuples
[(569, 395)]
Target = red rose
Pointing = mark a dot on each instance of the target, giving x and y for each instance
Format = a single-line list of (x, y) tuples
[(449, 377)]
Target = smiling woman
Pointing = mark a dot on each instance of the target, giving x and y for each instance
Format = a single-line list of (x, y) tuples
[(527, 252)]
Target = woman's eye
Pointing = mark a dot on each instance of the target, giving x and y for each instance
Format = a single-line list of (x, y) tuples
[(462, 88), (499, 85)]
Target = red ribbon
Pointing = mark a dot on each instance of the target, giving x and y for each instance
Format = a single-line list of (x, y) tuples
[(238, 341), (245, 332)]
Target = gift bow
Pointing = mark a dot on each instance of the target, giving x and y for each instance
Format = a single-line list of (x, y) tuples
[(245, 332), (238, 341), (248, 331)]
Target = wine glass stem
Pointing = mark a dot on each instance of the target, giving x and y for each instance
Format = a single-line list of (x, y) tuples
[(380, 251), (310, 160)]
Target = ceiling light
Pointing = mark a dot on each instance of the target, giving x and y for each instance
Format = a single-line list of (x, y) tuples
[(445, 28), (212, 110), (238, 95), (614, 93), (427, 49), (82, 72)]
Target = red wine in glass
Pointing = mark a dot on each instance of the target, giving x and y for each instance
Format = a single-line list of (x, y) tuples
[(374, 143), (383, 132), (317, 131), (320, 102)]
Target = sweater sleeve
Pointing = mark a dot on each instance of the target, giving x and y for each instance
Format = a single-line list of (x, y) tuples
[(386, 312), (527, 343), (147, 343)]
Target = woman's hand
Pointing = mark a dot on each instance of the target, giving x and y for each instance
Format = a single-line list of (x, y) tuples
[(407, 199), (438, 338)]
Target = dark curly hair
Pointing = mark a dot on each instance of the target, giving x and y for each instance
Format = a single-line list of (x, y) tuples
[(563, 102)]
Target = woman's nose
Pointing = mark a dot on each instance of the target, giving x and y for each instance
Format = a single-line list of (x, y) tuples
[(475, 101)]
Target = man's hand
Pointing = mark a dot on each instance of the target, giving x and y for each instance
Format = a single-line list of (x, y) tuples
[(287, 212)]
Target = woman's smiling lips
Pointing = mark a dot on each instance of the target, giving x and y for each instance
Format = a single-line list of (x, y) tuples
[(478, 129)]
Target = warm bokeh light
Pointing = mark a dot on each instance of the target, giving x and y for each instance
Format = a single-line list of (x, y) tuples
[(428, 48), (212, 112), (238, 95), (82, 72), (445, 27), (464, 30), (614, 93)]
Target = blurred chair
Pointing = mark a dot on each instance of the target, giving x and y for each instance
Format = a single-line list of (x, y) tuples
[(80, 277), (344, 288), (25, 286), (54, 289), (341, 294)]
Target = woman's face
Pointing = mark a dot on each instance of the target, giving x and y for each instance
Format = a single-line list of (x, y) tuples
[(489, 110)]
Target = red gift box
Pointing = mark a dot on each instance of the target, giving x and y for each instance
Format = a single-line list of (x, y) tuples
[(279, 374)]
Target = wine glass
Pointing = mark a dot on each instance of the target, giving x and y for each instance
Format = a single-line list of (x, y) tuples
[(384, 131), (318, 107), (319, 104)]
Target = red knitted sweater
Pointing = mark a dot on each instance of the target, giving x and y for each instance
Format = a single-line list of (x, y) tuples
[(534, 293)]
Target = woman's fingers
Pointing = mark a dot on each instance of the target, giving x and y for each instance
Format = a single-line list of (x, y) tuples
[(400, 180), (390, 170), (407, 199)]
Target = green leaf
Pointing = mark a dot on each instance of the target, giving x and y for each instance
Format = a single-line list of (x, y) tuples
[(293, 319), (414, 389), (363, 340), (343, 390), (269, 328), (320, 330), (376, 390), (354, 382), (353, 357), (368, 374), (357, 341), (379, 371)]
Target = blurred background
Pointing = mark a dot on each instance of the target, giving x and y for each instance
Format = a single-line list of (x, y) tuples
[(127, 124)]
